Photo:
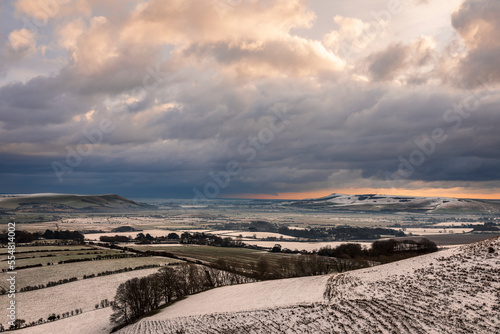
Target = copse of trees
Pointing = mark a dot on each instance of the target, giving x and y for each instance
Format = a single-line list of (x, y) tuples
[(313, 233), (173, 236), (116, 238), (390, 247), (64, 235), (139, 296), (209, 240), (366, 233), (349, 251), (124, 229)]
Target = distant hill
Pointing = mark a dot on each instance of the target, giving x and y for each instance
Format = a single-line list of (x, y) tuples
[(371, 202), (451, 291), (67, 203)]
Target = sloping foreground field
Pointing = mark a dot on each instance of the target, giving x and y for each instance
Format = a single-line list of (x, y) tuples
[(452, 291), (83, 294)]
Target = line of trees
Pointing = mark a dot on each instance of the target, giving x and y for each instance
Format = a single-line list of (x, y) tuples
[(27, 237), (139, 296), (381, 250), (24, 267), (343, 232), (102, 257), (64, 235), (295, 266)]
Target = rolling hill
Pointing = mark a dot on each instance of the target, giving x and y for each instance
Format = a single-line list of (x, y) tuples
[(451, 291), (67, 203), (388, 203)]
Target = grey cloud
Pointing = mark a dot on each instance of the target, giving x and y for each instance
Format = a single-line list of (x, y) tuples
[(40, 102), (478, 23), (402, 61), (386, 64)]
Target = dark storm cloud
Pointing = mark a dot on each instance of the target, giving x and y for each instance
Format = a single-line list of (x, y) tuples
[(478, 23), (317, 142)]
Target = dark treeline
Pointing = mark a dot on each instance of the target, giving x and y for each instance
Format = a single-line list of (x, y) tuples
[(486, 227), (21, 237), (24, 267), (139, 296), (116, 238), (209, 240), (254, 226), (27, 237), (64, 235), (140, 238), (101, 257), (43, 251), (381, 251), (297, 266), (341, 232), (184, 238)]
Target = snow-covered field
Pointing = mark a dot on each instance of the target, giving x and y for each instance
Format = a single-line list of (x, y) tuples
[(59, 299), (56, 272), (251, 296), (451, 291)]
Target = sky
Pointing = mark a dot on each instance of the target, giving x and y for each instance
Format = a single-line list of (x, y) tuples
[(250, 98)]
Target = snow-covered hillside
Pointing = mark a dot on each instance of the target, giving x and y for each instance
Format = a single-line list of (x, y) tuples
[(372, 202), (453, 291), (92, 322), (84, 294)]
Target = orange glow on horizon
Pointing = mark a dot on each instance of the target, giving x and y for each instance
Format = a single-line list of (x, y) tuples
[(425, 192)]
